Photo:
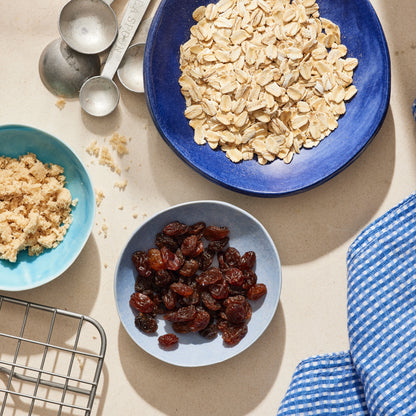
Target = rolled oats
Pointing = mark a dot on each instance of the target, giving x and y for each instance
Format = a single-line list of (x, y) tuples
[(264, 77)]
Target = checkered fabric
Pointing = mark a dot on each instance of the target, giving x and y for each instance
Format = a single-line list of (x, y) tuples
[(414, 109), (378, 376)]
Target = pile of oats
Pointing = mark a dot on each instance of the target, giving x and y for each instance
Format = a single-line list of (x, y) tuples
[(264, 77)]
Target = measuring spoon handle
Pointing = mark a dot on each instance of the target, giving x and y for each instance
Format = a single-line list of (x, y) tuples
[(132, 17)]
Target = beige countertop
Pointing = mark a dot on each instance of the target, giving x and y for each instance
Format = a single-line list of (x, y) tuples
[(312, 230)]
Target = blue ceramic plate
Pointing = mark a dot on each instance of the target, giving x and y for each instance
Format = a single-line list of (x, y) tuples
[(246, 233), (29, 272), (361, 33)]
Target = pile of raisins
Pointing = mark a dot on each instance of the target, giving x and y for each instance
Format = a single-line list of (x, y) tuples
[(197, 282)]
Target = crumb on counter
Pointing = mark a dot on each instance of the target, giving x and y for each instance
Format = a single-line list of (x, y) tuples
[(121, 185), (35, 206), (99, 196), (104, 229), (119, 143), (107, 160), (60, 103), (93, 149)]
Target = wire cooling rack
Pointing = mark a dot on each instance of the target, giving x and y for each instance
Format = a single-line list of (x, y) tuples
[(50, 360)]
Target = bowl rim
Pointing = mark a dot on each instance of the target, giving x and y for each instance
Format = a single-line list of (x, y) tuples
[(190, 203), (76, 253)]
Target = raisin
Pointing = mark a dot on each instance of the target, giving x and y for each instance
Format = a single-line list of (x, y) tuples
[(210, 276), (257, 291), (141, 263), (236, 290), (192, 299), (175, 228), (209, 301), (169, 299), (181, 289), (184, 314), (219, 290), (197, 228), (142, 303), (235, 313), (221, 261), (250, 279), (232, 334), (142, 284), (210, 332), (205, 260), (189, 268), (163, 240), (155, 259), (145, 323), (234, 276), (232, 257), (181, 327), (180, 256), (192, 246), (168, 340), (212, 232), (170, 259), (218, 245), (200, 321), (248, 260), (163, 278), (235, 299)]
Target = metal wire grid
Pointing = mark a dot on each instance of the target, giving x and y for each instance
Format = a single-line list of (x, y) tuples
[(37, 375)]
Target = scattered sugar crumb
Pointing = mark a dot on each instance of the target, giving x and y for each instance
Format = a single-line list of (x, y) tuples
[(93, 149), (99, 196), (105, 265), (104, 229), (60, 103), (119, 143), (107, 160), (121, 185), (121, 207), (135, 215)]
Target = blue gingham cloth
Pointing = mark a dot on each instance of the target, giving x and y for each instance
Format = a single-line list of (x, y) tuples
[(414, 109), (377, 377)]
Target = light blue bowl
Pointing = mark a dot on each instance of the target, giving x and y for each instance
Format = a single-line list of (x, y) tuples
[(246, 233), (29, 272)]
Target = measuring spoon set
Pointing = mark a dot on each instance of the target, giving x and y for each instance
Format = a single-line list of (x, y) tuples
[(71, 65)]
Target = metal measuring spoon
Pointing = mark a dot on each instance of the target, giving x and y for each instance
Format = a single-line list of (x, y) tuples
[(88, 26), (99, 96), (63, 70), (130, 71)]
